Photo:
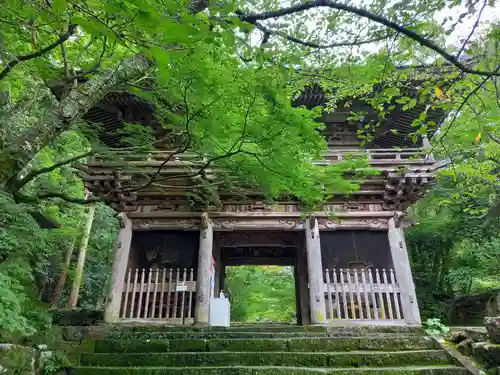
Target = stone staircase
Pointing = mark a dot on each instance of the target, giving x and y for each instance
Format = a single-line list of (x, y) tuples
[(264, 350)]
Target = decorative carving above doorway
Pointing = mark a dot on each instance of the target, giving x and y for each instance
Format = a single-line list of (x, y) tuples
[(259, 223), (258, 252), (261, 238)]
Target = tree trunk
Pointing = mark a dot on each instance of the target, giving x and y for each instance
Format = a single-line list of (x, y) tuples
[(63, 115), (101, 300), (56, 298), (75, 289)]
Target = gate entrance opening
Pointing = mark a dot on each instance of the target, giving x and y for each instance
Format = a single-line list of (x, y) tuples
[(247, 261), (262, 294)]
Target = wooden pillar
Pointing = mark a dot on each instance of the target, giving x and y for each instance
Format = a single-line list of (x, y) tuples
[(315, 272), (298, 309), (203, 273), (402, 269), (121, 255), (222, 279), (302, 282)]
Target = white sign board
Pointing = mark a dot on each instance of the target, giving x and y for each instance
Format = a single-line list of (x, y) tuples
[(181, 287)]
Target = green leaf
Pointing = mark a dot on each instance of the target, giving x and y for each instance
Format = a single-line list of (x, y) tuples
[(59, 6)]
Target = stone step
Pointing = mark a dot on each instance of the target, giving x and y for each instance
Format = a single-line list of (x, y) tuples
[(237, 370), (270, 328), (300, 359), (233, 328), (215, 335), (154, 331), (310, 344), (249, 334)]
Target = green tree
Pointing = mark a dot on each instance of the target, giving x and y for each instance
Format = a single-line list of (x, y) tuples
[(261, 293)]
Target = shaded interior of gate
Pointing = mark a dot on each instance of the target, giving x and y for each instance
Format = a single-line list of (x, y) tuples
[(264, 248), (178, 251)]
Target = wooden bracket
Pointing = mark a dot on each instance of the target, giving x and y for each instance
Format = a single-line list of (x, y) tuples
[(312, 224), (312, 221), (398, 218), (204, 221), (121, 218)]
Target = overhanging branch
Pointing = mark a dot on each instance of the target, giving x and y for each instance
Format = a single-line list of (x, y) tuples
[(33, 174), (11, 64), (345, 43), (35, 199), (253, 18)]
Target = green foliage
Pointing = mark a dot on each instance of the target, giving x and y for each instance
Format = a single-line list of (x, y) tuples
[(22, 244), (55, 363), (434, 327), (16, 359), (453, 252), (261, 293), (30, 259)]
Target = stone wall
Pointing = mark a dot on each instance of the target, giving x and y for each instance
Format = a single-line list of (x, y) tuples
[(15, 359), (471, 310)]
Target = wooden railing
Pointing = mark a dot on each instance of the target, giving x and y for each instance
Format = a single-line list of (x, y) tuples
[(362, 295), (374, 156), (159, 294), (381, 156)]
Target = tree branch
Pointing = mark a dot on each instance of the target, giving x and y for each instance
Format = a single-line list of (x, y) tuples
[(464, 44), (187, 143), (19, 197), (457, 112), (254, 17), (306, 43), (493, 138), (65, 62), (33, 174), (94, 68), (82, 52), (10, 65), (235, 149)]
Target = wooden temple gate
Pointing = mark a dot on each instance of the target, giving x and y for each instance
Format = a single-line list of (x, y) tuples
[(406, 170)]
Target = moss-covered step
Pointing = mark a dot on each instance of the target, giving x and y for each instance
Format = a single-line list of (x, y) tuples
[(312, 344), (368, 330), (358, 329), (434, 370), (210, 335), (78, 333), (151, 346), (300, 359), (105, 332), (235, 328), (242, 335), (323, 344)]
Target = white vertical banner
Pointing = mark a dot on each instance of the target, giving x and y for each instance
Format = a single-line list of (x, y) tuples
[(212, 279)]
